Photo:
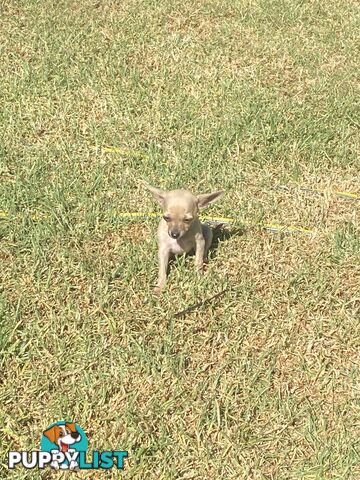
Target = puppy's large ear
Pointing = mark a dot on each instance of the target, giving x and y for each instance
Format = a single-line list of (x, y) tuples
[(206, 199), (157, 192), (71, 427), (52, 433)]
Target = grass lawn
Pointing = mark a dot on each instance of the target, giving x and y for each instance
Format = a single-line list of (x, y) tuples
[(242, 95)]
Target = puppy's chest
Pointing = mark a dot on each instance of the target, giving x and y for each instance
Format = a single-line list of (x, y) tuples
[(177, 247)]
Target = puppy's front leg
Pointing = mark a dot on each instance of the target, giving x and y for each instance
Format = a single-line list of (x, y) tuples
[(164, 254), (208, 236), (55, 465), (199, 252)]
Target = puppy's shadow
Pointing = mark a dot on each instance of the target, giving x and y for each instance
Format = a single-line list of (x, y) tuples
[(223, 232)]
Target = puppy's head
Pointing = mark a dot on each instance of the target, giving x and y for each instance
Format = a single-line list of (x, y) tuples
[(63, 435), (181, 207)]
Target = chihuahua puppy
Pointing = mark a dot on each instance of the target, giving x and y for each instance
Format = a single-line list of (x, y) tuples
[(180, 230)]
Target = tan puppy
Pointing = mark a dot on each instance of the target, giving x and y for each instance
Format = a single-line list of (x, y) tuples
[(180, 230)]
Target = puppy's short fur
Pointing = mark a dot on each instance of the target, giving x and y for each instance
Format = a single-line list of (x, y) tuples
[(180, 230)]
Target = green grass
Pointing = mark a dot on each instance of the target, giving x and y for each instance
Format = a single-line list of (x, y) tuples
[(261, 383)]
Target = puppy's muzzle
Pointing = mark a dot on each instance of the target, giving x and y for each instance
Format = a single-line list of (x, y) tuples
[(174, 233)]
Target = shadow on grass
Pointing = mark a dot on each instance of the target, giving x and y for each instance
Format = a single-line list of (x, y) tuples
[(222, 233)]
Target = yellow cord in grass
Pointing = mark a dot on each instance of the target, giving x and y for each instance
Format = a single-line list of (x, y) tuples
[(136, 214), (125, 152), (272, 227), (34, 216), (350, 195)]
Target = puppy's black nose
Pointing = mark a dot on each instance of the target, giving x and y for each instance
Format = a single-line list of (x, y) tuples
[(75, 434), (174, 234)]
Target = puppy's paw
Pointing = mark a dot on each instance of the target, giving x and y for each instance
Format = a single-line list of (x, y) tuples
[(199, 269), (74, 465), (55, 465), (159, 289)]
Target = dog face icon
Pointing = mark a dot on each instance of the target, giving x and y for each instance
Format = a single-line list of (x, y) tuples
[(63, 435)]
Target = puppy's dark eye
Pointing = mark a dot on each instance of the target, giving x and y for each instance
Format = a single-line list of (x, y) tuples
[(187, 220), (166, 218), (61, 433)]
